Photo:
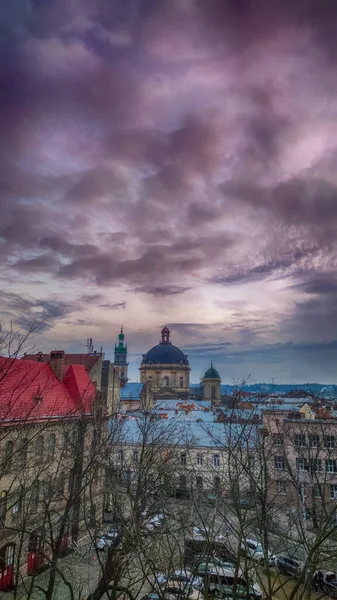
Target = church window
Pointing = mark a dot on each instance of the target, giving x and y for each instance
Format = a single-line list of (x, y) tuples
[(213, 392), (166, 381)]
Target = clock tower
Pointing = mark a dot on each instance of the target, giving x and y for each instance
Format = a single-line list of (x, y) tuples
[(120, 363)]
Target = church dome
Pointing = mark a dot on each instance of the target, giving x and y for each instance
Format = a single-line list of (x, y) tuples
[(165, 352), (211, 373)]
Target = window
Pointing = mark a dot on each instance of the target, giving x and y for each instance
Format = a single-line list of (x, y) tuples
[(331, 465), (39, 443), (301, 464), (165, 382), (281, 487), (47, 489), (200, 483), (51, 445), (216, 460), (8, 458), (181, 382), (329, 441), (279, 463), (183, 459), (120, 456), (277, 439), (65, 447), (60, 484), (300, 441), (314, 441), (23, 453), (3, 507), (199, 459), (317, 491), (135, 456), (316, 465), (216, 484), (35, 494), (213, 392), (333, 492), (17, 502)]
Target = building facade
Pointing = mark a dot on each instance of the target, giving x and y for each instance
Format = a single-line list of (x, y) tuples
[(302, 458), (52, 425)]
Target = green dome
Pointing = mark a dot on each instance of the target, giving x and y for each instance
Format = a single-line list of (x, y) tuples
[(211, 373)]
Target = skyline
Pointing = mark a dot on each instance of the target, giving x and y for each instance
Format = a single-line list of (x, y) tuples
[(173, 162)]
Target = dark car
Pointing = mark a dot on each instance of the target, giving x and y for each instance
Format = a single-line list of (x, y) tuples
[(327, 582), (288, 565)]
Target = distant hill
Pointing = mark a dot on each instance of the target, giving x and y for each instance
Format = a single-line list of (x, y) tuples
[(317, 389)]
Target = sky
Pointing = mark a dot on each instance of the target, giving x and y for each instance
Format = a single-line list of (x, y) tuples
[(173, 162)]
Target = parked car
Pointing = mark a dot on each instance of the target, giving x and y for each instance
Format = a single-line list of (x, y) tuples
[(222, 585), (153, 523), (327, 581), (183, 577), (288, 565), (208, 567), (253, 549), (107, 540)]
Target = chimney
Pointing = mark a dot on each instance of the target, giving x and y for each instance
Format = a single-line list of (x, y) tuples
[(56, 363)]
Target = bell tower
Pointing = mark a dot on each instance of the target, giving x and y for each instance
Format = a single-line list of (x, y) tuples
[(120, 362)]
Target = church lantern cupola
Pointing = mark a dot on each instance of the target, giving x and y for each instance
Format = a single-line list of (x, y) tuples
[(165, 335)]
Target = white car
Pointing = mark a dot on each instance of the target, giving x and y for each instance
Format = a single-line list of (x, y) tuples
[(153, 523), (102, 542), (253, 549)]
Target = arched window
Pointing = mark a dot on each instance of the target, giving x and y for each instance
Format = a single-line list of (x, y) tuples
[(181, 382), (166, 381), (51, 445), (39, 444), (8, 458), (23, 453), (35, 494), (60, 484), (213, 392)]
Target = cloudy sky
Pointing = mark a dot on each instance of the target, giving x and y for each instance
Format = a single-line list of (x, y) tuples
[(173, 162)]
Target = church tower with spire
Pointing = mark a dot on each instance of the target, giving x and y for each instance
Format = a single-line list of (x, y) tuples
[(120, 363)]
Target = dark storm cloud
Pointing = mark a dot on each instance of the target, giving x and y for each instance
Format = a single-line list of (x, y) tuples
[(43, 263), (163, 145), (161, 291), (115, 306), (28, 312)]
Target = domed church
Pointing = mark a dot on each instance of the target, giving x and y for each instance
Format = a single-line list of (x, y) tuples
[(166, 367), (165, 370)]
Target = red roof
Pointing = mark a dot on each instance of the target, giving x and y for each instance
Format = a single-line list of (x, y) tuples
[(30, 390), (87, 360)]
